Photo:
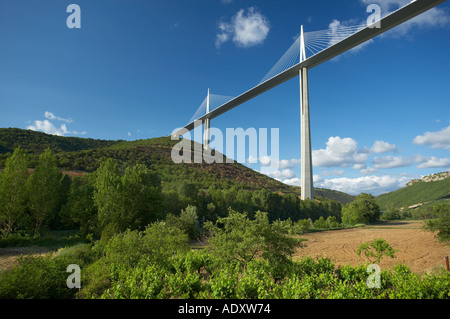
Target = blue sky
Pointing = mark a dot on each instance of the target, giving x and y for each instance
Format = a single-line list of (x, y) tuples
[(139, 69)]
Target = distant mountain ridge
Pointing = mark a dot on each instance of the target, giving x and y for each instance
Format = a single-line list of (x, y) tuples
[(429, 190), (85, 155)]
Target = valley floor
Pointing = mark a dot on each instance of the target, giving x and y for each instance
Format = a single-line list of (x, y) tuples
[(417, 248)]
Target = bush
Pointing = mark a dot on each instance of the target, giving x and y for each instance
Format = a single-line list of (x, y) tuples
[(41, 277), (364, 209), (187, 222)]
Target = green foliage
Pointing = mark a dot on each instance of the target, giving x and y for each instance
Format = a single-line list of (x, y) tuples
[(241, 239), (131, 200), (363, 210), (158, 242), (38, 142), (376, 250), (43, 188), (441, 225), (420, 192), (80, 208), (12, 192), (36, 278), (187, 222)]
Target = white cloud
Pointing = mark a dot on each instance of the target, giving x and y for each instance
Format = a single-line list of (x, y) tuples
[(383, 147), (338, 35), (391, 162), (368, 170), (333, 172), (48, 127), (51, 116), (433, 162), (435, 17), (340, 152), (375, 185), (265, 160), (440, 139), (282, 174), (293, 181), (247, 28), (289, 163)]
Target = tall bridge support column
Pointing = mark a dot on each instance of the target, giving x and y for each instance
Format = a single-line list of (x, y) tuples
[(206, 135), (307, 190)]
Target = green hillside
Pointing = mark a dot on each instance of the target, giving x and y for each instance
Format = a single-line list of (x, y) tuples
[(426, 193), (37, 142), (85, 155)]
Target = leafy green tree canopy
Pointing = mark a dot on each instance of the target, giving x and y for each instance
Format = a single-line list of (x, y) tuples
[(364, 209)]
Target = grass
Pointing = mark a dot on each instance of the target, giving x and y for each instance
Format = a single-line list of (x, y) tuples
[(52, 240)]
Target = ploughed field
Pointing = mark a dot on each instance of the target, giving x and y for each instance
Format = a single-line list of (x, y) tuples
[(417, 248)]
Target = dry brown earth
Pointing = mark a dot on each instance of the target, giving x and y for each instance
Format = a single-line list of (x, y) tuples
[(417, 248)]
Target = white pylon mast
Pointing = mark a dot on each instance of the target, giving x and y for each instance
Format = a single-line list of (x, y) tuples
[(206, 136), (302, 45), (307, 190)]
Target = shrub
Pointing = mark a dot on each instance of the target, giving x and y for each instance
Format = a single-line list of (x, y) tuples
[(41, 277), (376, 250)]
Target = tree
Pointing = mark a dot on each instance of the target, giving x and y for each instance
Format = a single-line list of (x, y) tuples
[(107, 193), (187, 222), (13, 191), (376, 250), (141, 195), (128, 201), (364, 209), (43, 188), (82, 210), (442, 223), (238, 238)]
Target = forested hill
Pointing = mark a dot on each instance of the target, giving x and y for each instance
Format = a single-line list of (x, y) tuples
[(37, 142), (418, 195), (85, 155)]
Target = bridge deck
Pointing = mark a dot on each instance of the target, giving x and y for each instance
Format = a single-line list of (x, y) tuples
[(390, 21)]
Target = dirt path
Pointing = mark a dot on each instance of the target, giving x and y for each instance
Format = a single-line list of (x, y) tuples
[(418, 249), (10, 255)]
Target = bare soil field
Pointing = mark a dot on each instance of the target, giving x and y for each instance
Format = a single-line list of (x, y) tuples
[(418, 249), (9, 256)]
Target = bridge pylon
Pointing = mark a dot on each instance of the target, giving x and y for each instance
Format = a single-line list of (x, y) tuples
[(206, 135), (307, 190)]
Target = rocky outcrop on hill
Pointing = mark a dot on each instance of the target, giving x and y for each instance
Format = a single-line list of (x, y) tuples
[(430, 178)]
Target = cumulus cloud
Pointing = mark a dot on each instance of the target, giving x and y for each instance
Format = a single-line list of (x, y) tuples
[(432, 162), (391, 162), (440, 139), (51, 116), (435, 17), (247, 28), (373, 184), (383, 147), (48, 127), (339, 152), (282, 174)]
